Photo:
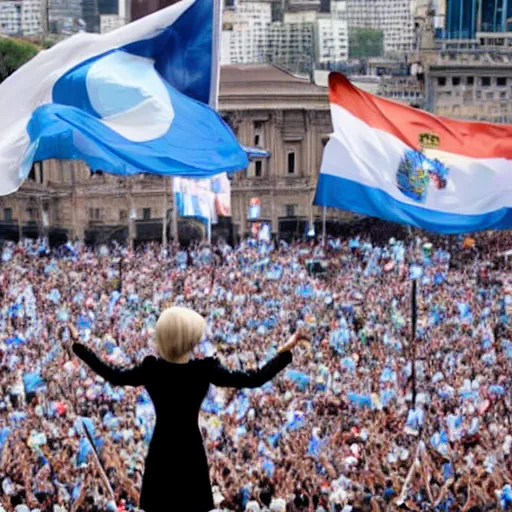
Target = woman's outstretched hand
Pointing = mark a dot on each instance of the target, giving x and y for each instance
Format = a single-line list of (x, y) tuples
[(293, 340)]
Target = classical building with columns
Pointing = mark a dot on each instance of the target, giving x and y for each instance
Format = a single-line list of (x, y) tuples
[(266, 107)]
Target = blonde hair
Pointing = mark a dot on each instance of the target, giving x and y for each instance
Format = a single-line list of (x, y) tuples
[(178, 331)]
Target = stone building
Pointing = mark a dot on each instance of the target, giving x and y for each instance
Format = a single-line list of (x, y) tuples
[(266, 107), (475, 85)]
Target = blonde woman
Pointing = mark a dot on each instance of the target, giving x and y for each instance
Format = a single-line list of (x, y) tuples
[(176, 477)]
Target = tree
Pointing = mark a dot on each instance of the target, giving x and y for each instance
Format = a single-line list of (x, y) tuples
[(13, 54), (365, 43)]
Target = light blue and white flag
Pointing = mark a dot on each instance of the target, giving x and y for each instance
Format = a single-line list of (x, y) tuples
[(130, 101)]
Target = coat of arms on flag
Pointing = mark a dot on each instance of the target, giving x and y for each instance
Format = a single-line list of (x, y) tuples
[(416, 171)]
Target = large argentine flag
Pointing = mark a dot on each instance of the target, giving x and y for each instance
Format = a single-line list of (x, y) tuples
[(401, 164), (134, 100)]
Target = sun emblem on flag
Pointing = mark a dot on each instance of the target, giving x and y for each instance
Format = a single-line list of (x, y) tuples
[(416, 172)]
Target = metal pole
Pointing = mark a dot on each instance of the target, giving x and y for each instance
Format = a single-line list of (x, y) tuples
[(164, 216), (414, 317), (209, 230), (99, 465), (174, 225), (324, 226), (20, 221), (131, 220)]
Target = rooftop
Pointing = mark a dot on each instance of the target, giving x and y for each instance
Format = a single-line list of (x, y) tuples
[(264, 78)]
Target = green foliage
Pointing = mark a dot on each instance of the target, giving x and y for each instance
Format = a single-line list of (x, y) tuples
[(365, 43), (47, 44), (13, 54)]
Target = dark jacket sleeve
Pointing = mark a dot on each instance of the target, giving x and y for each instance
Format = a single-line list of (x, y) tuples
[(220, 376), (132, 377)]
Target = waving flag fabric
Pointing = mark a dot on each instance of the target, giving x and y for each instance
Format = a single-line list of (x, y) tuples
[(203, 199), (398, 163), (134, 100)]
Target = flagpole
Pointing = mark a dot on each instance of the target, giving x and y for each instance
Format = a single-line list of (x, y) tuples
[(216, 35), (209, 230), (414, 317), (164, 216), (174, 227), (324, 227), (99, 465)]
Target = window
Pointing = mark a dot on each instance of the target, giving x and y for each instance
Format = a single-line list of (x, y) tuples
[(501, 81), (441, 81), (32, 173), (146, 214), (489, 96), (290, 210), (95, 214), (470, 80), (257, 140), (478, 94), (456, 80), (258, 125), (291, 162), (258, 168), (503, 95), (8, 214), (123, 215), (96, 173), (31, 213), (486, 81)]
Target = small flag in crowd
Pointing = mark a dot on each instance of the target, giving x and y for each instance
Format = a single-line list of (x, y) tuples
[(404, 165), (131, 101)]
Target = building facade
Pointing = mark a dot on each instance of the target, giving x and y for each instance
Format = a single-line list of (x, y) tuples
[(393, 17), (110, 22), (332, 39), (495, 16), (65, 16), (245, 33), (302, 38), (266, 108), (21, 17), (478, 89), (140, 8), (461, 19)]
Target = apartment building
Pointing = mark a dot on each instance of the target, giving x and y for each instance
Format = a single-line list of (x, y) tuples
[(64, 10), (113, 15), (292, 46), (110, 22), (20, 17), (332, 39), (393, 17), (246, 32), (303, 38), (10, 17)]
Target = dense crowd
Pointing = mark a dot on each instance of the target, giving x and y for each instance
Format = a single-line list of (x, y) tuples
[(351, 425)]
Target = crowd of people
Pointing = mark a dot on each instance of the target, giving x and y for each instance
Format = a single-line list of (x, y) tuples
[(368, 417)]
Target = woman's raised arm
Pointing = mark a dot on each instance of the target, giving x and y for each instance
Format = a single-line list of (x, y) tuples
[(132, 377), (221, 376)]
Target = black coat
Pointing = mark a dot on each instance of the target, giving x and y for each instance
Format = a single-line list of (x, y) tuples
[(176, 478)]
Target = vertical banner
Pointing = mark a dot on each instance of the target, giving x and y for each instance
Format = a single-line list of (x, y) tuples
[(204, 199), (255, 208)]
